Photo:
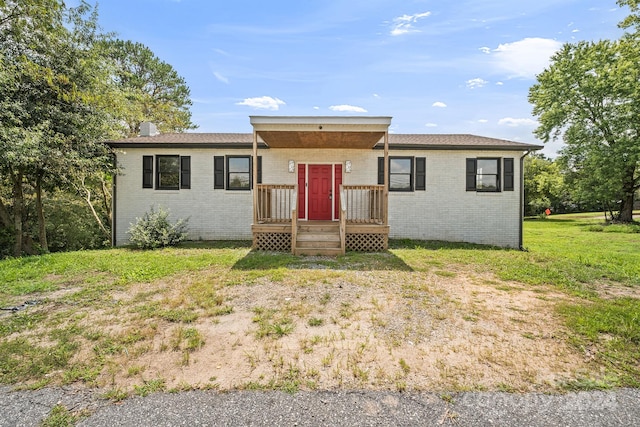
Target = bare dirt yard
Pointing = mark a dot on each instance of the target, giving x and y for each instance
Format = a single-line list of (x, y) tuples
[(320, 328)]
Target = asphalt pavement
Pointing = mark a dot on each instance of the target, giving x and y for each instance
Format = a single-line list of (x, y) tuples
[(326, 408)]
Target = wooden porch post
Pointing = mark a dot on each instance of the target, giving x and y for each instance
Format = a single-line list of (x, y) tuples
[(254, 176), (385, 205)]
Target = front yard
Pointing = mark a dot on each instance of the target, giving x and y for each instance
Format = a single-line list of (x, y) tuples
[(422, 316)]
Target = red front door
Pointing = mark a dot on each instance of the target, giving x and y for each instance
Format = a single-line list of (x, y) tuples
[(320, 193)]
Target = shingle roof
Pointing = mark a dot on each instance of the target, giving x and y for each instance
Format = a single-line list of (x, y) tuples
[(455, 141), (397, 141)]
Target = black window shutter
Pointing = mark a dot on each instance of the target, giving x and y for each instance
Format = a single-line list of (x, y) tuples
[(421, 173), (259, 169), (471, 174), (380, 170), (508, 174), (147, 171), (185, 172), (218, 172)]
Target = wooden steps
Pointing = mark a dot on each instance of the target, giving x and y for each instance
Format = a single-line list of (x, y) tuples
[(318, 238)]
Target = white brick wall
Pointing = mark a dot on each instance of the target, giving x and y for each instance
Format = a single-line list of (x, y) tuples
[(445, 211)]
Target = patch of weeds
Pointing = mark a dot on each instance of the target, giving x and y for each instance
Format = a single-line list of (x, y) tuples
[(404, 366), (115, 395), (85, 373), (108, 347), (448, 398), (60, 416), (222, 311), (270, 325), (93, 335), (401, 386), (613, 327), (22, 361), (443, 273), (314, 321), (194, 339), (327, 360), (19, 322), (134, 370), (282, 329), (182, 386), (590, 383), (346, 311), (326, 297), (151, 386), (205, 295), (176, 315)]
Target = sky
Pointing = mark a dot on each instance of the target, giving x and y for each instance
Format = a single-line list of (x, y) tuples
[(462, 66)]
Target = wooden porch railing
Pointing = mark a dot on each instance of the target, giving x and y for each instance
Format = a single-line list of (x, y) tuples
[(275, 203), (294, 219), (364, 204), (343, 220)]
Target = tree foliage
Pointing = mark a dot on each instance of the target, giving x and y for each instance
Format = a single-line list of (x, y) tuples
[(64, 88), (590, 96), (544, 186), (152, 90)]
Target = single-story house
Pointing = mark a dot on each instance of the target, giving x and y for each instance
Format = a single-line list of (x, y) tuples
[(323, 185)]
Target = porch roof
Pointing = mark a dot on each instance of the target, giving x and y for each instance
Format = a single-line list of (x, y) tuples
[(320, 131)]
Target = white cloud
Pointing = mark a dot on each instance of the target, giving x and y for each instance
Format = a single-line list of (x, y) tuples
[(431, 125), (511, 122), (404, 24), (476, 83), (316, 108), (483, 121), (485, 49), (525, 58), (263, 103), (439, 104), (347, 108), (499, 84), (221, 78)]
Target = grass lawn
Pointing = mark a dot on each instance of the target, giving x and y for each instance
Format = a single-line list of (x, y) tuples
[(100, 311)]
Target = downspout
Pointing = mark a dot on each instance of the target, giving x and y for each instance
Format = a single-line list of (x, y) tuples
[(521, 223), (113, 200)]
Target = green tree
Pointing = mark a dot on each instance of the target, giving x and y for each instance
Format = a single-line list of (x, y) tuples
[(152, 90), (543, 185), (50, 94), (590, 95)]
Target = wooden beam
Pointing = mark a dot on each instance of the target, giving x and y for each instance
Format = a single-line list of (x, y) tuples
[(386, 178), (255, 177)]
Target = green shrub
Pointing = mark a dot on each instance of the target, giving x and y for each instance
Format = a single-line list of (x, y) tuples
[(154, 230)]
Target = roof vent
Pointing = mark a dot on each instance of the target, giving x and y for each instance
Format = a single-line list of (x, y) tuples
[(148, 129)]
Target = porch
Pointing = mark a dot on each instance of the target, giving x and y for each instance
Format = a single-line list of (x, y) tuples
[(361, 226), (324, 212)]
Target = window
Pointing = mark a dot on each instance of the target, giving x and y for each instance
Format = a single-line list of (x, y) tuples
[(238, 173), (402, 175), (167, 172), (172, 172), (234, 172), (483, 174)]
